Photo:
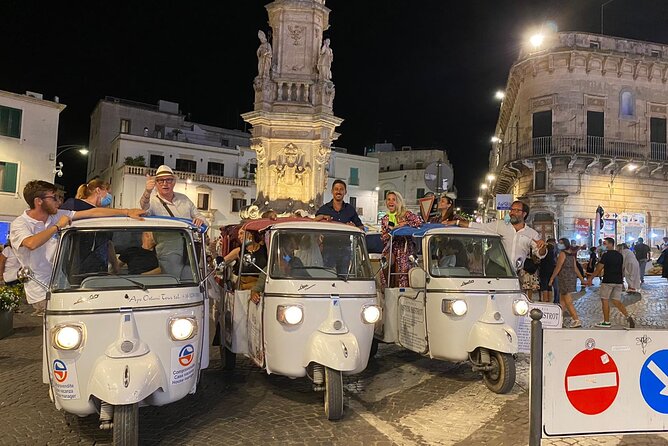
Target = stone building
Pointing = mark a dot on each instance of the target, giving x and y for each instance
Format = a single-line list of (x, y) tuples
[(582, 125), (402, 170), (28, 139)]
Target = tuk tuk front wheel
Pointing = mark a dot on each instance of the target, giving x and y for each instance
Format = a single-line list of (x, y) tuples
[(374, 348), (228, 359), (126, 424), (333, 394), (501, 378)]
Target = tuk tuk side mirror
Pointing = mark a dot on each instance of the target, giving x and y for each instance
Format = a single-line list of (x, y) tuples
[(417, 278), (249, 260), (383, 265), (25, 274)]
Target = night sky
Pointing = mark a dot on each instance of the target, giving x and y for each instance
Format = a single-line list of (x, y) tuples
[(419, 73)]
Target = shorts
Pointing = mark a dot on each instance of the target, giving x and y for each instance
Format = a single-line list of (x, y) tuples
[(611, 291), (544, 283)]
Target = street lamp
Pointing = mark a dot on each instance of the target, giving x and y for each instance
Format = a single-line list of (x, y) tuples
[(491, 177), (495, 139), (58, 169), (483, 186), (536, 40), (499, 95)]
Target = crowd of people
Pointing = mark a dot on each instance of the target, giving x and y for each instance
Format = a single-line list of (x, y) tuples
[(550, 268)]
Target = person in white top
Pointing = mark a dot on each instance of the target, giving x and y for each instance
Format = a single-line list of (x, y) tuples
[(34, 234), (168, 203), (519, 240), (9, 266)]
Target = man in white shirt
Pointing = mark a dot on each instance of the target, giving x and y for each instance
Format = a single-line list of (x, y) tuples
[(34, 234), (168, 203), (519, 240)]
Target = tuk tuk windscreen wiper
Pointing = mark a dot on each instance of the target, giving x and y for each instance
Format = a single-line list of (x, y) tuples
[(116, 276)]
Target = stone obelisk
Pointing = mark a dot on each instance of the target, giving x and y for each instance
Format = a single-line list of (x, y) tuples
[(293, 122)]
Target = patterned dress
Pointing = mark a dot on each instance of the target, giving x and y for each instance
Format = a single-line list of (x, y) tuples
[(567, 275), (402, 248)]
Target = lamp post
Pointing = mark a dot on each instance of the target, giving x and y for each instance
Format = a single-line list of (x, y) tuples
[(58, 168), (602, 6)]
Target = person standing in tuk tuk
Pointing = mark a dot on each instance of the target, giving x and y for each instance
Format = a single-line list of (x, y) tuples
[(338, 210), (445, 211), (168, 203), (35, 233), (402, 247)]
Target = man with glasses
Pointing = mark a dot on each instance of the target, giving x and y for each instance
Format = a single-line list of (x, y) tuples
[(34, 234), (519, 240), (168, 203)]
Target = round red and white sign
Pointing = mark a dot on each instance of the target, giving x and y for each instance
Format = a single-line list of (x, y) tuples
[(592, 381)]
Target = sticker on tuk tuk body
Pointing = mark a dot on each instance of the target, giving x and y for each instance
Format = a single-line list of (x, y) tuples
[(183, 364), (65, 384), (412, 328)]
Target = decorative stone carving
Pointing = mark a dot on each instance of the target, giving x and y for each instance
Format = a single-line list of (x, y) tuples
[(290, 174), (325, 61), (296, 32), (264, 56)]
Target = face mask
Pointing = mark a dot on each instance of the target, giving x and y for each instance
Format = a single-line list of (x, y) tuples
[(287, 258), (506, 219), (604, 248), (248, 242), (106, 201), (561, 246)]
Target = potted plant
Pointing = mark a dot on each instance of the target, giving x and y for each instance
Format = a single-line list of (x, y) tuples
[(10, 296)]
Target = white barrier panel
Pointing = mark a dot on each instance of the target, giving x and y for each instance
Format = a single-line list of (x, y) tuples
[(604, 382), (552, 318)]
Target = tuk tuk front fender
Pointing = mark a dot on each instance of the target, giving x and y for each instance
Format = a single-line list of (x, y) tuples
[(126, 380), (336, 351), (499, 337)]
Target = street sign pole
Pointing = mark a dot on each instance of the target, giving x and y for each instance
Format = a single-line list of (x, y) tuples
[(536, 383)]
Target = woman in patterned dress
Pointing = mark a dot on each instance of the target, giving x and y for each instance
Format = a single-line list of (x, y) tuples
[(567, 273), (402, 247)]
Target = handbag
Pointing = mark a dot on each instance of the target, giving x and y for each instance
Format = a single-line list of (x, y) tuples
[(530, 265), (662, 258)]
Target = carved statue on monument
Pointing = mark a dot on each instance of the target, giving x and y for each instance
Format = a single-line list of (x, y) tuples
[(264, 56), (325, 61)]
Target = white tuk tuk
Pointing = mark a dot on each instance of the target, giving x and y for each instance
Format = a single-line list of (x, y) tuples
[(462, 302), (120, 330), (316, 310)]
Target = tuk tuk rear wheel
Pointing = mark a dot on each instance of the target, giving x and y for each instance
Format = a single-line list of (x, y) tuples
[(126, 424), (333, 394), (501, 378), (227, 358)]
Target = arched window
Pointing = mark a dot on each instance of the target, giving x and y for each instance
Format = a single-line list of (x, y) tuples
[(627, 104)]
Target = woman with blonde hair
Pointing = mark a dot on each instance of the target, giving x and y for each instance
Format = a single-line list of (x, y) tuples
[(94, 194), (402, 247)]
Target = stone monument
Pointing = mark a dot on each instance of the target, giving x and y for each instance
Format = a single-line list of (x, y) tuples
[(293, 122)]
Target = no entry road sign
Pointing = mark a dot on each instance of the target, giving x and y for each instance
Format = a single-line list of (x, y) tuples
[(592, 381)]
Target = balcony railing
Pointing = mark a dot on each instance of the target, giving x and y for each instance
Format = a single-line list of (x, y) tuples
[(586, 145), (195, 177)]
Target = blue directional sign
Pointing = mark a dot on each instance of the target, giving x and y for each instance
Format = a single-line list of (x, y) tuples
[(654, 381)]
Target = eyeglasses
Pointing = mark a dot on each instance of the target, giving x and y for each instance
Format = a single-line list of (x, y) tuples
[(53, 197), (165, 180), (516, 210)]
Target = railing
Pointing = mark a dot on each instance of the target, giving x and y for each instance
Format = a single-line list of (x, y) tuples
[(587, 145), (294, 92), (195, 177)]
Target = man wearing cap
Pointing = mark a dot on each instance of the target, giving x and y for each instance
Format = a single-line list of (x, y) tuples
[(168, 203)]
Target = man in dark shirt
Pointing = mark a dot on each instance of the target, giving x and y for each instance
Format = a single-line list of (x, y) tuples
[(337, 209), (142, 259), (612, 282), (642, 252), (337, 253)]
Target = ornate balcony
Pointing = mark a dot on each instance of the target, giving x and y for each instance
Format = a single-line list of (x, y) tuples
[(195, 177)]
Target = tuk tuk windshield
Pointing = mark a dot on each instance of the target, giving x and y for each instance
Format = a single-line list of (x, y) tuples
[(319, 255), (468, 256), (117, 258)]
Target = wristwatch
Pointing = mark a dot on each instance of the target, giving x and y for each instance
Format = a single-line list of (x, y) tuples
[(457, 222)]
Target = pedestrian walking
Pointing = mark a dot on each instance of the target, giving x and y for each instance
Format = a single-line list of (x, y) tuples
[(643, 255), (612, 266), (631, 268), (545, 270), (593, 260), (567, 272)]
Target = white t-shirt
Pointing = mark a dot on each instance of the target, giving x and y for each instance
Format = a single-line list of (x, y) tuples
[(12, 265), (518, 244), (40, 260)]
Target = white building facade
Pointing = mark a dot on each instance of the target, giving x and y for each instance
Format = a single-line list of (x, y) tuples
[(28, 140), (402, 170)]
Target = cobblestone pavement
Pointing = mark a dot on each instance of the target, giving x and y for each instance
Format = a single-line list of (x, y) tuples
[(401, 399)]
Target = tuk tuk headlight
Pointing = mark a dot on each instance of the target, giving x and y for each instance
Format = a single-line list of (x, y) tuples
[(182, 328), (67, 336), (290, 314), (520, 307), (457, 307), (370, 314)]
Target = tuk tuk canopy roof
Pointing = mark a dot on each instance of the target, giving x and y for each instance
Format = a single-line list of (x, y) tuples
[(438, 228), (126, 222), (296, 222)]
